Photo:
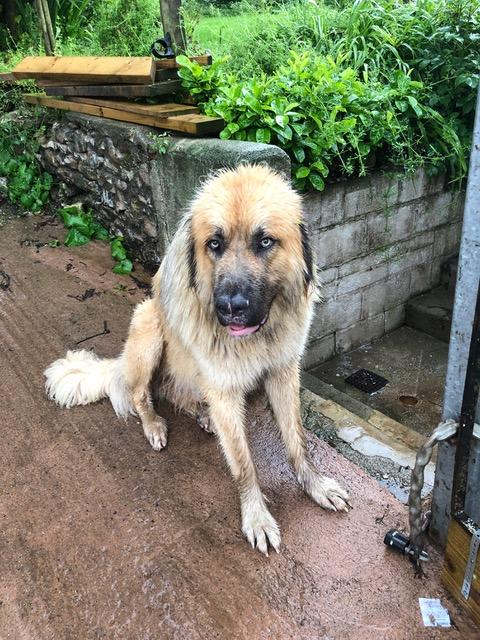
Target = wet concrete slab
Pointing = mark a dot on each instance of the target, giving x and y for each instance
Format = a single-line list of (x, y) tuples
[(103, 538), (415, 365)]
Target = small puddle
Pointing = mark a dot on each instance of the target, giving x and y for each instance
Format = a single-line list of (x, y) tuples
[(408, 401)]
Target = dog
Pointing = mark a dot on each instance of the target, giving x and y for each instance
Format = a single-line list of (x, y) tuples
[(231, 307)]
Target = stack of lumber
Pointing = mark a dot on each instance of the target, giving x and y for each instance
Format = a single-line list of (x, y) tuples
[(110, 87)]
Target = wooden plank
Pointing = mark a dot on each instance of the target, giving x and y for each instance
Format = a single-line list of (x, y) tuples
[(160, 76), (155, 110), (7, 77), (63, 83), (166, 74), (194, 124), (115, 90), (202, 125), (106, 70), (455, 562), (171, 63)]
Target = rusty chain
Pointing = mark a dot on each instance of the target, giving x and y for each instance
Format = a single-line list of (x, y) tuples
[(444, 431)]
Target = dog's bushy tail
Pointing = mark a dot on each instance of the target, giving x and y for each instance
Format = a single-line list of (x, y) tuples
[(81, 377)]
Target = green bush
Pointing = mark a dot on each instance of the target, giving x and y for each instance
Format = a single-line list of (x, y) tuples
[(20, 135), (87, 27), (342, 90), (330, 121)]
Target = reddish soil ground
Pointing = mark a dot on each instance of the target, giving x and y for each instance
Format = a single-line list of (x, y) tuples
[(101, 537)]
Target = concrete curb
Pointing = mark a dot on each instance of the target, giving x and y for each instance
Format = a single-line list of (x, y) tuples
[(369, 438)]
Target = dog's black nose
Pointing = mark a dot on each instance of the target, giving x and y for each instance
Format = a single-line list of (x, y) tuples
[(239, 304), (231, 305)]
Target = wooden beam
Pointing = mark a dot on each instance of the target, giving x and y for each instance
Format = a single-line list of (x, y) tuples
[(106, 70), (193, 124), (171, 63), (7, 77), (115, 90), (160, 111)]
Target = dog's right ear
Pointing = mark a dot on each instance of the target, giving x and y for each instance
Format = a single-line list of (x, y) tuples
[(192, 260), (307, 255)]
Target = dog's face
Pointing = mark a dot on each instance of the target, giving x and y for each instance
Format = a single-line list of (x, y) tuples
[(248, 247)]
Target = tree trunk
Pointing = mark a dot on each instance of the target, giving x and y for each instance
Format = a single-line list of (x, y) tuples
[(45, 21), (170, 10)]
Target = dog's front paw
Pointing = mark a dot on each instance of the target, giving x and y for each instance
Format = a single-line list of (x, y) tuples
[(156, 433), (328, 493), (260, 528)]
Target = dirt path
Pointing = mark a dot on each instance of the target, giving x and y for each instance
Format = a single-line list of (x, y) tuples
[(103, 538)]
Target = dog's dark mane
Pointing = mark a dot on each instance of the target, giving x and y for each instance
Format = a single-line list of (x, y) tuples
[(307, 254), (192, 262)]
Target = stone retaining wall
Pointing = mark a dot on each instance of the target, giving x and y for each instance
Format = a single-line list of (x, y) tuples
[(139, 182), (379, 241)]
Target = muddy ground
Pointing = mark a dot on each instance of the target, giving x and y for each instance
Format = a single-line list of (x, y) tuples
[(101, 537)]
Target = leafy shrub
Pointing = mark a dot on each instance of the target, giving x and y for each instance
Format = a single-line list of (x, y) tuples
[(438, 40), (350, 86), (86, 27), (82, 228), (329, 120), (20, 135), (70, 17)]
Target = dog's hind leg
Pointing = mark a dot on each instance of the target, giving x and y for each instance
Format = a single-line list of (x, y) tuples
[(283, 391), (140, 357), (227, 411)]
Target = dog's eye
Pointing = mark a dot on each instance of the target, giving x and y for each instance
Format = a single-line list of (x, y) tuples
[(214, 244), (266, 243)]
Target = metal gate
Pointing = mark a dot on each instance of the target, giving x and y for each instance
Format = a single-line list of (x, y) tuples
[(456, 499)]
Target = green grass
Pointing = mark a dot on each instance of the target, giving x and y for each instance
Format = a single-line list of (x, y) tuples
[(216, 32)]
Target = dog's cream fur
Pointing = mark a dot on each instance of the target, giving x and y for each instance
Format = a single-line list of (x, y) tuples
[(204, 370)]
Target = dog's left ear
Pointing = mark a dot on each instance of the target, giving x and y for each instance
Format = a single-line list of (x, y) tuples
[(192, 260), (307, 254)]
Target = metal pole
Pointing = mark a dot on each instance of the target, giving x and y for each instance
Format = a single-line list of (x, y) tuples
[(468, 281), (467, 418)]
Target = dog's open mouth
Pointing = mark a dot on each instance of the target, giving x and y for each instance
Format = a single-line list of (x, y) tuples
[(240, 330)]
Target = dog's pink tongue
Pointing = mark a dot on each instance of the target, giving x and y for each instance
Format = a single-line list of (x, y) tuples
[(240, 330)]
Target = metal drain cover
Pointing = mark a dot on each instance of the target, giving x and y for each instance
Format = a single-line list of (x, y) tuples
[(366, 380)]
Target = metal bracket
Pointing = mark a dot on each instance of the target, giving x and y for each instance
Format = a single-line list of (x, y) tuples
[(470, 568)]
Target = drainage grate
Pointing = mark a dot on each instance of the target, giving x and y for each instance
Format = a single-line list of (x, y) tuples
[(367, 381)]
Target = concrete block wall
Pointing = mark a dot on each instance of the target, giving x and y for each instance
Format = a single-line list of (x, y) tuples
[(379, 241)]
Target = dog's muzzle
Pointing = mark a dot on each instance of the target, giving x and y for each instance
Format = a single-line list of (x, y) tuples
[(238, 313)]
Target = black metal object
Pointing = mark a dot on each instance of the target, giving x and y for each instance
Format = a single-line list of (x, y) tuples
[(163, 47), (467, 419), (400, 542), (367, 381)]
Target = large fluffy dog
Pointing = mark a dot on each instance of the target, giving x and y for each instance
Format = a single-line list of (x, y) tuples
[(231, 307)]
